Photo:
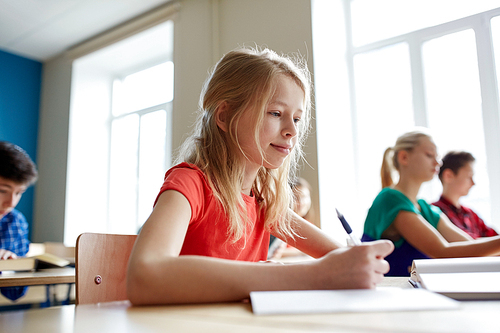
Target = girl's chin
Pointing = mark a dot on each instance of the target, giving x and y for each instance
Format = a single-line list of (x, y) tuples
[(274, 165)]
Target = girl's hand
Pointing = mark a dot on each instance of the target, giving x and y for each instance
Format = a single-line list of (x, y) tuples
[(6, 254), (357, 267)]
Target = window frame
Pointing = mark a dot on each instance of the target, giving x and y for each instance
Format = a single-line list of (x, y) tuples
[(329, 191)]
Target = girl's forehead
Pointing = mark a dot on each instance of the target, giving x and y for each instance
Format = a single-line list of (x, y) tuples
[(427, 145), (287, 90)]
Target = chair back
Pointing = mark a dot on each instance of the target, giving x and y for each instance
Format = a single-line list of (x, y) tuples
[(101, 267)]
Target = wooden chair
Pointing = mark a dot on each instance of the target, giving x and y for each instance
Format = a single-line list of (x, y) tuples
[(101, 267)]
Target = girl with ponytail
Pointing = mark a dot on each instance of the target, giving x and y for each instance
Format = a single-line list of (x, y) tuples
[(417, 229)]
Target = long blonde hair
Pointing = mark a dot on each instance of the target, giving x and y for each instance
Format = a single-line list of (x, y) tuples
[(407, 142), (246, 79)]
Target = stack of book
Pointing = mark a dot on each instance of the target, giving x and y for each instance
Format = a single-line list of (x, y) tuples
[(459, 278)]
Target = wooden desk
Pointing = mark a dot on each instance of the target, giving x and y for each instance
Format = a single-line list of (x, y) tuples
[(41, 277), (51, 278), (238, 317)]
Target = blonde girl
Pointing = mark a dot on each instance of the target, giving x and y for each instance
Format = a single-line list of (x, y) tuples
[(417, 229), (209, 230)]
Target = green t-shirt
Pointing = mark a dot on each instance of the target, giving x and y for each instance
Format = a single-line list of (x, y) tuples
[(386, 206)]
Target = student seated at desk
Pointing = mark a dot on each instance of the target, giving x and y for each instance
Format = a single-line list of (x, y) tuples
[(456, 174), (302, 205), (210, 226), (417, 229), (17, 173)]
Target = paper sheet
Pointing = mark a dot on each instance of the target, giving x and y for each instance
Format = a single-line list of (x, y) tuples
[(366, 300)]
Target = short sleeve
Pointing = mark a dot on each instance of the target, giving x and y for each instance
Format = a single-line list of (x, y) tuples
[(431, 213), (190, 181), (384, 210)]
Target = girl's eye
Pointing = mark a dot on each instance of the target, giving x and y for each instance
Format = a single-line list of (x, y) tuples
[(296, 120), (275, 113)]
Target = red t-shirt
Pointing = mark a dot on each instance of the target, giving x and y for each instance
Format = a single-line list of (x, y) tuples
[(207, 234)]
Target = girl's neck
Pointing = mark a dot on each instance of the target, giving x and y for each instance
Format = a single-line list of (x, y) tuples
[(408, 188), (247, 191), (249, 179)]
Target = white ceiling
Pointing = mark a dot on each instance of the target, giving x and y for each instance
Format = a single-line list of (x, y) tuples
[(41, 29)]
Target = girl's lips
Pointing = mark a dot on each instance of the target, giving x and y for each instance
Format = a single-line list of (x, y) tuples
[(283, 149)]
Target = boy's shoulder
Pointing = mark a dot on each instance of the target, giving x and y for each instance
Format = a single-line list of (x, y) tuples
[(13, 215)]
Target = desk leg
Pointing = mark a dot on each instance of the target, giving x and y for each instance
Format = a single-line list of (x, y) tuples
[(67, 300), (47, 302)]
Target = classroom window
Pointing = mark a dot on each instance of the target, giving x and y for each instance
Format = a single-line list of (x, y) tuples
[(393, 65), (139, 129), (120, 133), (382, 19), (453, 96), (495, 32), (388, 68)]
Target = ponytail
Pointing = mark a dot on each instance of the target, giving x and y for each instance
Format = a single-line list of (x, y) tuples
[(387, 168)]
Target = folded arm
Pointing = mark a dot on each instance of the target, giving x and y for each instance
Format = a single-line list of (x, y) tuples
[(445, 242)]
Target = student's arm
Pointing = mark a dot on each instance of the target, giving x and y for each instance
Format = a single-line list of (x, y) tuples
[(158, 275), (451, 232), (310, 239), (419, 233)]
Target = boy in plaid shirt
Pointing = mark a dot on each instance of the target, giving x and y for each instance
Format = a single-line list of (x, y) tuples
[(17, 173), (456, 175)]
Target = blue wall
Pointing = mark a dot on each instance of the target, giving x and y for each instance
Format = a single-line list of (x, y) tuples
[(20, 82)]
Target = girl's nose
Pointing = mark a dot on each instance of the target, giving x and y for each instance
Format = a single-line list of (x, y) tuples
[(290, 129)]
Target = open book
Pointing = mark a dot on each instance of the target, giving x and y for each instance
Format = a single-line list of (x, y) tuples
[(44, 260), (459, 278)]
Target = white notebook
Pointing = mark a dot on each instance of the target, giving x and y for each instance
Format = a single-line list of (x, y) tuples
[(359, 300), (459, 278)]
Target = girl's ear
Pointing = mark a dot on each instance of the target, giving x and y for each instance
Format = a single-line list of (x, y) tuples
[(403, 157), (221, 116)]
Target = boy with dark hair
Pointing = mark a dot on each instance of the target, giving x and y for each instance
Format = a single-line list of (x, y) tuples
[(17, 173), (456, 175)]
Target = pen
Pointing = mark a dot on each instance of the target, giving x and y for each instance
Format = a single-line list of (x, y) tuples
[(347, 228)]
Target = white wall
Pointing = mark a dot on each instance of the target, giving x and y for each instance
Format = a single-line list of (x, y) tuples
[(204, 30), (48, 221), (284, 26)]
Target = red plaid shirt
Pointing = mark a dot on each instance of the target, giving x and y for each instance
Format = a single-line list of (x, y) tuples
[(465, 219)]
